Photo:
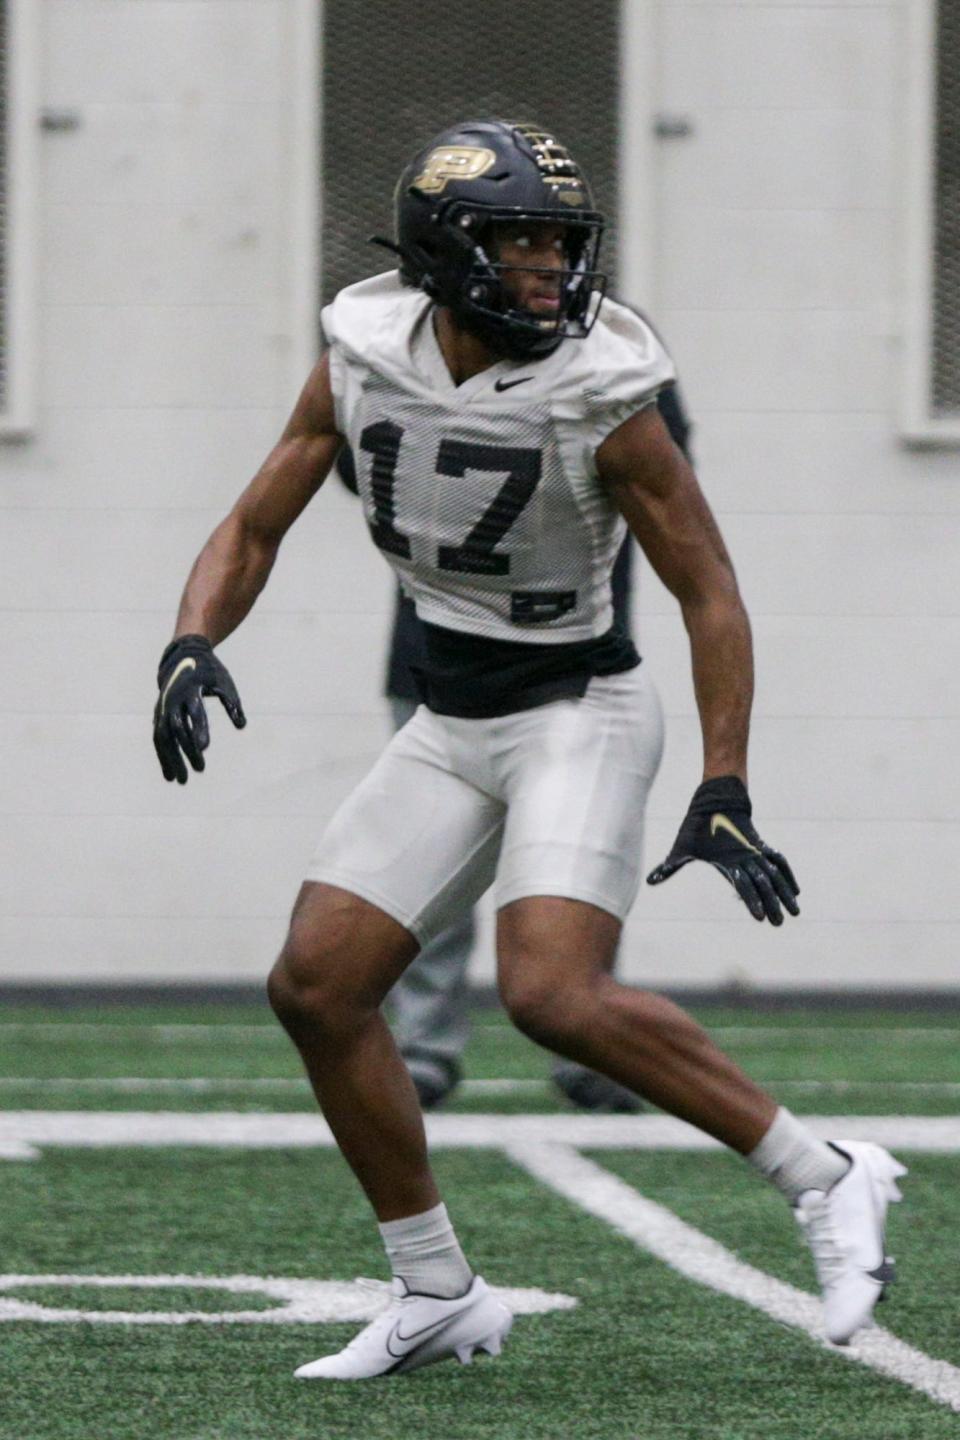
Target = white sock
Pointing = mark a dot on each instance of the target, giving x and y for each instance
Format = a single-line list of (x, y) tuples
[(794, 1160), (424, 1253)]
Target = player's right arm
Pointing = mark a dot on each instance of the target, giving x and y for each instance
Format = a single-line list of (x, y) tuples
[(231, 570), (233, 566)]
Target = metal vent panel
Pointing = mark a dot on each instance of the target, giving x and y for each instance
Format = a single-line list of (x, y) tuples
[(394, 75)]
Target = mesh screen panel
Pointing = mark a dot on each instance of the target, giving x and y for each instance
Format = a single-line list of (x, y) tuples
[(4, 120), (945, 367), (394, 75)]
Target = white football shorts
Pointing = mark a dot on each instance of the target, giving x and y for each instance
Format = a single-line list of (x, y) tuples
[(548, 801)]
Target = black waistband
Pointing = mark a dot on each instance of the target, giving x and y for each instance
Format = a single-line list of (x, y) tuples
[(474, 677)]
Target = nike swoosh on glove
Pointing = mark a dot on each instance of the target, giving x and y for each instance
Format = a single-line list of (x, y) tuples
[(717, 828), (188, 671)]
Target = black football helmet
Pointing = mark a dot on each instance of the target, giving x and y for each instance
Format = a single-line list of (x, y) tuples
[(447, 202)]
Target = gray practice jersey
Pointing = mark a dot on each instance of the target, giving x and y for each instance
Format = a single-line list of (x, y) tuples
[(484, 496)]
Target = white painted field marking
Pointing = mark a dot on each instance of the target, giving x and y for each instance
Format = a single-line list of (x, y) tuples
[(763, 1034), (541, 1144), (24, 1132), (841, 1087), (305, 1302), (283, 1085), (732, 1034), (17, 1150), (280, 1085), (133, 1084), (105, 1029), (656, 1229)]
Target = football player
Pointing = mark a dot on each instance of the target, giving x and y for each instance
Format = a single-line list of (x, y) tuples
[(502, 414), (429, 1006)]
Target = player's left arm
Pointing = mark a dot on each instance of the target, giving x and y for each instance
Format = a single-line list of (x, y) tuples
[(657, 492)]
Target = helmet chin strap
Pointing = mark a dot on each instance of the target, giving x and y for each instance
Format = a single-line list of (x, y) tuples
[(386, 244)]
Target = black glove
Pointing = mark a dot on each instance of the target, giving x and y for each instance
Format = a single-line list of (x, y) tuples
[(188, 671), (717, 827)]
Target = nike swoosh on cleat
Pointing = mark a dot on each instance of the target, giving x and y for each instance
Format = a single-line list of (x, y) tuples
[(720, 822), (410, 1342), (509, 384)]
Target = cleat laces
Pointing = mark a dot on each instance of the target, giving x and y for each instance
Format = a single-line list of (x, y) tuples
[(384, 1320)]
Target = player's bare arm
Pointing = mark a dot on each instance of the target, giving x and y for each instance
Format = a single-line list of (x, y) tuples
[(231, 570), (233, 566), (657, 492)]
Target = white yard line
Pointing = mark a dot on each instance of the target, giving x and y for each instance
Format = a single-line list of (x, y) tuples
[(729, 1034), (281, 1085), (655, 1229), (544, 1145), (133, 1084), (762, 1034), (840, 1087), (103, 1030), (23, 1133), (305, 1302)]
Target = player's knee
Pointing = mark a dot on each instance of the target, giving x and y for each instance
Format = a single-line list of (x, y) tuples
[(545, 1011), (283, 996), (307, 987)]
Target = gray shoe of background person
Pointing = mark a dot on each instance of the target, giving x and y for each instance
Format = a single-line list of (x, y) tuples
[(434, 1078), (589, 1090)]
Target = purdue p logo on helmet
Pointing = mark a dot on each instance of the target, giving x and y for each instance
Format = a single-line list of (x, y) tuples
[(453, 162), (447, 204)]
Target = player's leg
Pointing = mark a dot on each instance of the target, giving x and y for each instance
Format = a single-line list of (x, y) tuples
[(576, 776), (429, 1003), (576, 779), (554, 958), (341, 957), (410, 841), (555, 984), (590, 1089), (413, 844)]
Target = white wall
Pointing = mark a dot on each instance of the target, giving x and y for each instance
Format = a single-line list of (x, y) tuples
[(172, 342), (777, 280), (175, 322)]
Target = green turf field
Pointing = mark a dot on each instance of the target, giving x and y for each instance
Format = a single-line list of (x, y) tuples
[(645, 1354)]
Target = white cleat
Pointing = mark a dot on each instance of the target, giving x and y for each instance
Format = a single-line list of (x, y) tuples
[(418, 1330), (844, 1228)]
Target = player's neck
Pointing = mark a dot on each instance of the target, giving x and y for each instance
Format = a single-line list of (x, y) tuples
[(466, 355)]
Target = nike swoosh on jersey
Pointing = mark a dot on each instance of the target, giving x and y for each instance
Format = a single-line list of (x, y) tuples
[(509, 384), (410, 1342), (720, 822), (188, 664)]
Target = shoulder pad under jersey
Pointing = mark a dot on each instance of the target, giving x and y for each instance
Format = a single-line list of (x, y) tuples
[(373, 317), (618, 368)]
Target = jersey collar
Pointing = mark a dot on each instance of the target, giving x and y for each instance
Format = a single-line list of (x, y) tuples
[(428, 359)]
